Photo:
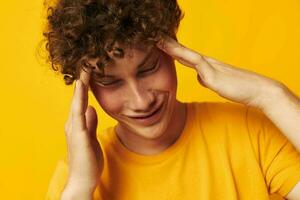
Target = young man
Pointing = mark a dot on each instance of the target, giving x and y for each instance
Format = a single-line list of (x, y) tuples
[(162, 148)]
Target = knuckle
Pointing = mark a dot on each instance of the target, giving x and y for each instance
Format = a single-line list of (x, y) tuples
[(205, 80)]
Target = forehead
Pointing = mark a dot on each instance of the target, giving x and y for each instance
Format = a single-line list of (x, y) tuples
[(132, 57)]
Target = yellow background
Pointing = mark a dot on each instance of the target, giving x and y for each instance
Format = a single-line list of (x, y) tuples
[(262, 36)]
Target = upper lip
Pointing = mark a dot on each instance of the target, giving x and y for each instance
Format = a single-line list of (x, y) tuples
[(146, 115)]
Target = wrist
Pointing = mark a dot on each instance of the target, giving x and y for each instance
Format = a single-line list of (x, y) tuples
[(85, 184), (74, 192), (272, 94)]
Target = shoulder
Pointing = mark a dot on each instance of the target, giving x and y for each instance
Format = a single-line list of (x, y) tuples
[(230, 119), (221, 112), (229, 112)]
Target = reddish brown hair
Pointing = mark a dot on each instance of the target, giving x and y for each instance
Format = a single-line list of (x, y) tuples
[(90, 28)]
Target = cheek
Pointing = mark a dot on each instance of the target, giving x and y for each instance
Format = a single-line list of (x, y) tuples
[(107, 99)]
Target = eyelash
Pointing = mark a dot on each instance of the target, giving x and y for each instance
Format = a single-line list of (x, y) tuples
[(108, 84), (146, 71), (152, 69)]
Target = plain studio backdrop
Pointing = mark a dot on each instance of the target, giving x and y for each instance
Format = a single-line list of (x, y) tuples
[(262, 36)]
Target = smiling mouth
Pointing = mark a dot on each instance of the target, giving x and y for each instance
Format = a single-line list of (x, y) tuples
[(147, 116)]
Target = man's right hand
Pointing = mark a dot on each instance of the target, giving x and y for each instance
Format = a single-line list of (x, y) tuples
[(85, 156)]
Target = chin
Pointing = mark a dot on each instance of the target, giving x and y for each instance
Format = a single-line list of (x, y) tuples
[(151, 133)]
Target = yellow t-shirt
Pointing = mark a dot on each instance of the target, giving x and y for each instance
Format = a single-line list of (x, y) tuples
[(226, 151)]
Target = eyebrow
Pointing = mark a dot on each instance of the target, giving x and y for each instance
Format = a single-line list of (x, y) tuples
[(142, 63)]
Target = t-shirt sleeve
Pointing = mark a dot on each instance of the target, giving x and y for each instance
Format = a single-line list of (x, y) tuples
[(278, 158), (57, 181)]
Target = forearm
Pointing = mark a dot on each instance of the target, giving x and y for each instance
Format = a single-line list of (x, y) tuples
[(72, 193), (282, 107)]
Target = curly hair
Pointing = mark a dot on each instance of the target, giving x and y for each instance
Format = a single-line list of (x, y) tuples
[(78, 29)]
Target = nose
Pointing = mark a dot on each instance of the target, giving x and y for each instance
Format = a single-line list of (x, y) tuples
[(141, 98)]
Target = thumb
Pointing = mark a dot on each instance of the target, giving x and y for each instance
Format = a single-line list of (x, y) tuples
[(91, 121)]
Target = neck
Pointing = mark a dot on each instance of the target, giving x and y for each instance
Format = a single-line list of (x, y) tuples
[(147, 146)]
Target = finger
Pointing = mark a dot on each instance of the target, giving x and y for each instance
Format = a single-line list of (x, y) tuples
[(188, 57), (181, 53), (79, 106), (85, 75), (80, 99), (91, 121)]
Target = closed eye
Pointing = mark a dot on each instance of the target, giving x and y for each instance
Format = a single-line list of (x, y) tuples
[(103, 82), (150, 69), (142, 72), (107, 83)]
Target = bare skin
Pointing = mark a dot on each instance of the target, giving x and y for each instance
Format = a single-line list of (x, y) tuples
[(83, 146)]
